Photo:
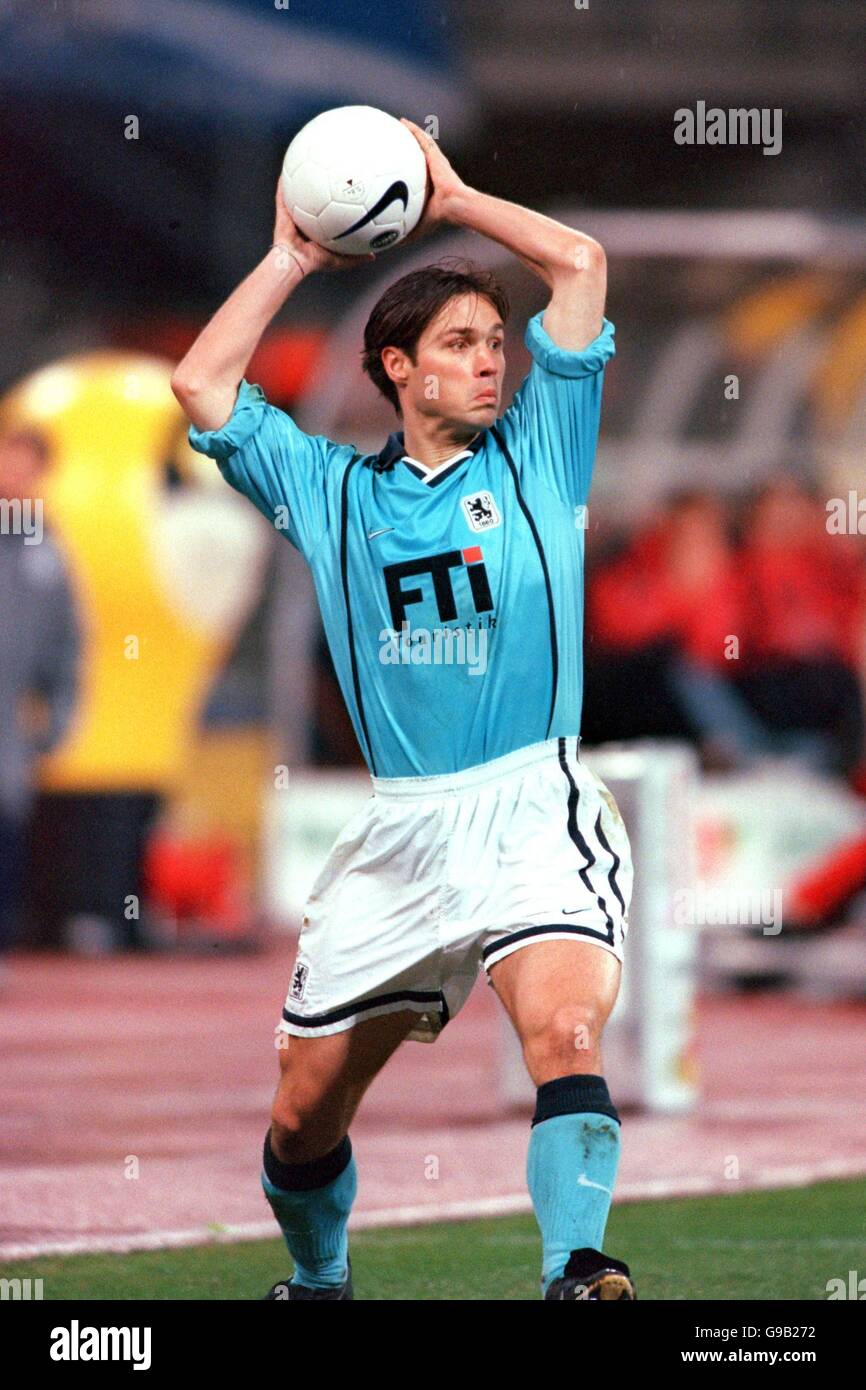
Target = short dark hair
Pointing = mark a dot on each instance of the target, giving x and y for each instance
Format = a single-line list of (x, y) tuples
[(406, 308)]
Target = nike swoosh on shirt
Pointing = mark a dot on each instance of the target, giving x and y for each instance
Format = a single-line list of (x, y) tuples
[(371, 535)]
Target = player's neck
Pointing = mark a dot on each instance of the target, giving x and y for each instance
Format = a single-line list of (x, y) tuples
[(434, 442)]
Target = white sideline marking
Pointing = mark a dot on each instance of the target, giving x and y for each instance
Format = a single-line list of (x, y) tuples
[(800, 1175)]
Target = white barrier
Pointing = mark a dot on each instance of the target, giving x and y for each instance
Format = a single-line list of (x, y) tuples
[(301, 822), (647, 1047)]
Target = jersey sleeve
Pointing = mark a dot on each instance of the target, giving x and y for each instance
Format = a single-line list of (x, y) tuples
[(552, 422), (288, 475)]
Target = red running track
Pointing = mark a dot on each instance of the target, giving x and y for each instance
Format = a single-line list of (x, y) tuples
[(171, 1062)]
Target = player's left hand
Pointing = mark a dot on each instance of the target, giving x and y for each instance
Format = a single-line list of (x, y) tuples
[(444, 184)]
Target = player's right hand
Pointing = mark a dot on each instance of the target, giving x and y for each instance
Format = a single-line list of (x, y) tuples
[(309, 255)]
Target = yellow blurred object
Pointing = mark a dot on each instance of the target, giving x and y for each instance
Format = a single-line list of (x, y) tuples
[(113, 423), (765, 316), (839, 382), (221, 784)]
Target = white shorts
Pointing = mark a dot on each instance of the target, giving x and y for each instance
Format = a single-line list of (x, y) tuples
[(436, 876)]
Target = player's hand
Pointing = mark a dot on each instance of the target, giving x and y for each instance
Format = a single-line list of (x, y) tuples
[(309, 255), (444, 185)]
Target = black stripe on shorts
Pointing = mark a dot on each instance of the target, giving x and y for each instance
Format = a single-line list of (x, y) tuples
[(579, 841), (611, 873), (414, 996), (548, 930)]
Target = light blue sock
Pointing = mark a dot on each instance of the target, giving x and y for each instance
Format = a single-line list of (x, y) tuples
[(571, 1167), (314, 1218)]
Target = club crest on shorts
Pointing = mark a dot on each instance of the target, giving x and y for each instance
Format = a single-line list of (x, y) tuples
[(481, 511), (300, 976)]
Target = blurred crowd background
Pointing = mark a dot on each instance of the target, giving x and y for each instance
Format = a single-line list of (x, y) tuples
[(160, 651)]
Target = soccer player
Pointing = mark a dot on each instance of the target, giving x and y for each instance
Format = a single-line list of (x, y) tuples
[(449, 572)]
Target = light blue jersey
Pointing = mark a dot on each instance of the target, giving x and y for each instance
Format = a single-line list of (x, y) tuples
[(452, 601)]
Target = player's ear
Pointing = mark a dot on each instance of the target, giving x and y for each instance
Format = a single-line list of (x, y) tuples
[(395, 362)]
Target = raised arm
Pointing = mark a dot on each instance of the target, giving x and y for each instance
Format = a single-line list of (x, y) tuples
[(570, 263), (206, 381)]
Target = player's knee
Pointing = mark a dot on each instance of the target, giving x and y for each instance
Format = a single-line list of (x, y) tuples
[(307, 1114), (299, 1135), (296, 1108), (568, 1037)]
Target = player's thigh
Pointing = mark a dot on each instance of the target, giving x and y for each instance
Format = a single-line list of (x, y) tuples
[(556, 986), (332, 1073)]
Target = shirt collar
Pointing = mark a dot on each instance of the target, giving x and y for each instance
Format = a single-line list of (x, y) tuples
[(433, 475), (395, 450)]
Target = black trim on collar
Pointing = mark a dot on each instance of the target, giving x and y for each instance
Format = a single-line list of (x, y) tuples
[(395, 448), (442, 473)]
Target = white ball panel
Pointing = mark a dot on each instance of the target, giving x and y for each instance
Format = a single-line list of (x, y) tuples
[(308, 224), (310, 188), (336, 217)]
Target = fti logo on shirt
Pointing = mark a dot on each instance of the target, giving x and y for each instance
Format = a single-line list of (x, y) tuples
[(439, 568), (481, 511)]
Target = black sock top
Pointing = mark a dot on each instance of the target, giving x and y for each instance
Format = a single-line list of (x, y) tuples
[(303, 1177), (572, 1095)]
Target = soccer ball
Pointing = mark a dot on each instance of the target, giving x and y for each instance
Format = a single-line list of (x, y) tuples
[(355, 180)]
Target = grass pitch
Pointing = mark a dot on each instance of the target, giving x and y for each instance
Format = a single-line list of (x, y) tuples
[(756, 1245)]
